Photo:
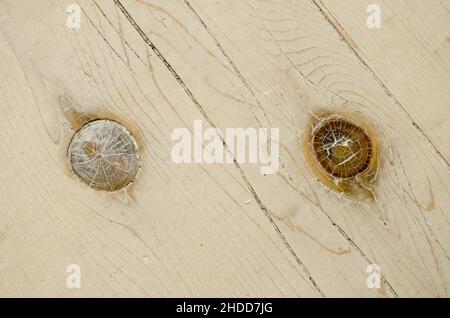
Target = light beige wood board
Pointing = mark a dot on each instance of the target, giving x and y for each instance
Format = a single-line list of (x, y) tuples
[(186, 230), (376, 105), (183, 231), (409, 54)]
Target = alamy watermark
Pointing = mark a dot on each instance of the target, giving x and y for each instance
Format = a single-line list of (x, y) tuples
[(73, 21), (374, 19), (248, 145), (73, 280), (374, 278)]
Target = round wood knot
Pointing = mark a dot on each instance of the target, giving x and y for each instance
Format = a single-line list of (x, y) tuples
[(342, 148), (104, 155)]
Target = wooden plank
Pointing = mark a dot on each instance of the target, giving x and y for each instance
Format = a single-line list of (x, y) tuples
[(409, 54), (246, 48), (333, 250), (202, 229), (183, 231)]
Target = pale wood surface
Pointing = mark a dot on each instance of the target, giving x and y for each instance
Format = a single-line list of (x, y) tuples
[(223, 229), (409, 54)]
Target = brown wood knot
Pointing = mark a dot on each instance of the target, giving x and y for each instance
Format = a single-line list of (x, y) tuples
[(342, 152), (104, 155)]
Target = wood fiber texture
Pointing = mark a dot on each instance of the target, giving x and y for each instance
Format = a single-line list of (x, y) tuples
[(217, 230)]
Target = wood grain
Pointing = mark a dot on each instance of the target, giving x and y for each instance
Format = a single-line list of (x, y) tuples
[(409, 54), (215, 229)]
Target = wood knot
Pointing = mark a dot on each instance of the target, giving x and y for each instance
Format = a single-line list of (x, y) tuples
[(104, 155), (341, 151)]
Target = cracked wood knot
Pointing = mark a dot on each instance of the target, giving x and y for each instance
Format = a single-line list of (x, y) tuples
[(343, 149), (343, 152), (104, 155)]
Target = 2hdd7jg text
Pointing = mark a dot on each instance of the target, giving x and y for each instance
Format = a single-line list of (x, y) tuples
[(225, 307)]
